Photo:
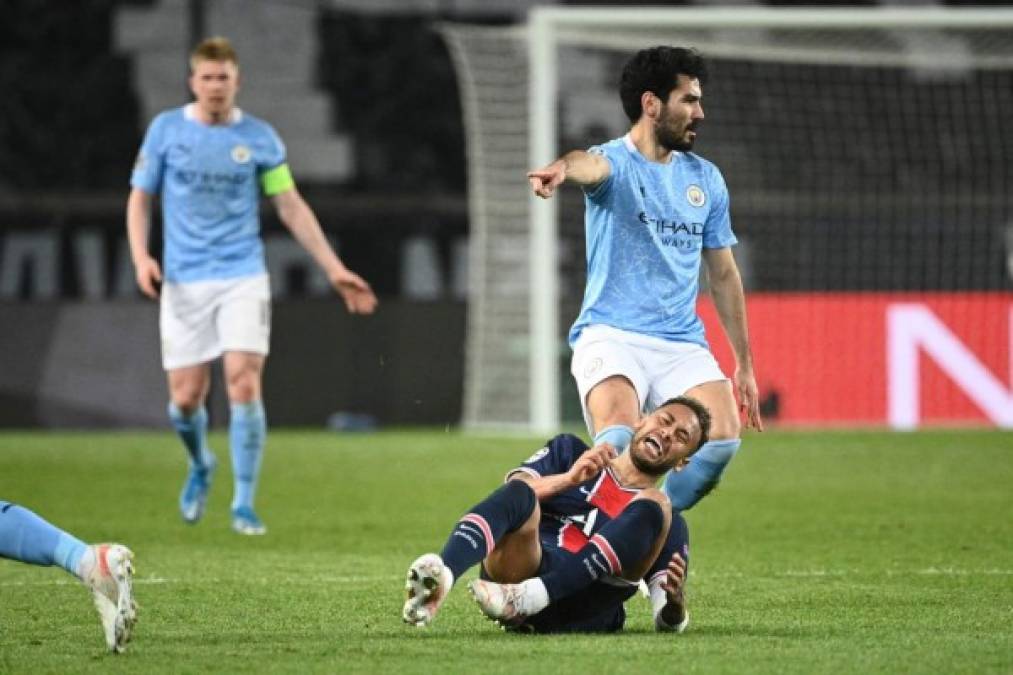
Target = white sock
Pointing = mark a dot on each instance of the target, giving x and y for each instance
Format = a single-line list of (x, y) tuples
[(535, 596), (86, 563)]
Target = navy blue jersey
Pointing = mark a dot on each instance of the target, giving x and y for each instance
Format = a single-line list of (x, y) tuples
[(569, 520), (572, 517)]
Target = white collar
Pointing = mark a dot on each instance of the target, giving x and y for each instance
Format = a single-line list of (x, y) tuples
[(628, 142), (190, 113)]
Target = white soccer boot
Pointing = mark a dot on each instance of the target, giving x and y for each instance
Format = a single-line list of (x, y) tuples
[(109, 574), (427, 585), (509, 604)]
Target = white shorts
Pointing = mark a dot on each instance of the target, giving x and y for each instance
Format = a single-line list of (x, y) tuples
[(657, 368), (201, 320)]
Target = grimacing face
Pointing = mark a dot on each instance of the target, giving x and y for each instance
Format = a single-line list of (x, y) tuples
[(675, 128), (214, 84), (665, 439)]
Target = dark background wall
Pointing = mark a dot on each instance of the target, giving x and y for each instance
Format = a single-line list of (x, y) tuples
[(88, 364)]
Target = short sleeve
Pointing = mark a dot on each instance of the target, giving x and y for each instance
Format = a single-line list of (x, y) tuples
[(150, 162), (718, 228), (557, 456), (274, 153), (602, 189)]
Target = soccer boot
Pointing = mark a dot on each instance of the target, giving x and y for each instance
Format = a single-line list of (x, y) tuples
[(427, 585), (506, 604), (110, 576), (245, 521), (194, 496)]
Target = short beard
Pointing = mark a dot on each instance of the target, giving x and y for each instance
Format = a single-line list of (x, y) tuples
[(666, 138), (669, 141), (649, 469)]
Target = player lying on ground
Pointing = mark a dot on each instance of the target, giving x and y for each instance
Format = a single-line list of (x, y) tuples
[(564, 543), (106, 569)]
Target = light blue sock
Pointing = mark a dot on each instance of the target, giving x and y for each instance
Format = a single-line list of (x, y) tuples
[(617, 435), (247, 434), (26, 537), (193, 431), (685, 488)]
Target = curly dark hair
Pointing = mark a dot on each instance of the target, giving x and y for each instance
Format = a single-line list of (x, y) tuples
[(657, 70), (702, 415)]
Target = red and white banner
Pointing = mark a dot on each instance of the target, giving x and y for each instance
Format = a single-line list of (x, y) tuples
[(898, 359)]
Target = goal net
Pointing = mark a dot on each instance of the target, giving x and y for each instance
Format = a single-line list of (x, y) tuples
[(868, 157)]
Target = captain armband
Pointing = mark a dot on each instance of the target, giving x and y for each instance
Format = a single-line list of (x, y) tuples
[(277, 180)]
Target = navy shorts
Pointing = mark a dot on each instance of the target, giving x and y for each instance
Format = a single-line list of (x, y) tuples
[(596, 609)]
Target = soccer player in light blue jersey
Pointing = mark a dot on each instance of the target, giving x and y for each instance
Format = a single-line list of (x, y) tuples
[(106, 569), (654, 211), (209, 162)]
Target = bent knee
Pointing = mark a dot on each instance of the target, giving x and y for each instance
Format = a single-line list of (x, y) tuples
[(187, 397), (725, 427), (657, 496), (244, 385)]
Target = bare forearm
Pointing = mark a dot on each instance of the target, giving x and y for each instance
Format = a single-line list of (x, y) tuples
[(545, 486), (583, 168), (305, 228), (730, 303), (138, 219)]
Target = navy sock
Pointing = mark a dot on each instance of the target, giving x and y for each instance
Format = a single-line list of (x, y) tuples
[(193, 431), (621, 542), (31, 539), (676, 542), (476, 533)]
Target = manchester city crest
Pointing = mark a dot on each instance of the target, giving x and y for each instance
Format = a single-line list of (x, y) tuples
[(695, 195), (240, 154), (592, 367)]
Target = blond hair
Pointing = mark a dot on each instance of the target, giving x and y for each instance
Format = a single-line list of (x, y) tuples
[(216, 48)]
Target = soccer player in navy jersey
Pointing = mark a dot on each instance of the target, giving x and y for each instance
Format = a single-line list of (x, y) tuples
[(209, 161), (565, 541), (106, 569), (653, 211)]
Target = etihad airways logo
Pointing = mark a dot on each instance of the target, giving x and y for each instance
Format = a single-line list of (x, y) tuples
[(687, 236)]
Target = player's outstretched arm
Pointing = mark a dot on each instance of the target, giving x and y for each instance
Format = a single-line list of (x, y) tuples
[(146, 269), (577, 166), (299, 218), (587, 466), (730, 302)]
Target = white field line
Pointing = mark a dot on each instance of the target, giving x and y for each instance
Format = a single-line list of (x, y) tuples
[(339, 580)]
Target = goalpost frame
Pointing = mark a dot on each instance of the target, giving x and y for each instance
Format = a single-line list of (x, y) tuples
[(544, 24)]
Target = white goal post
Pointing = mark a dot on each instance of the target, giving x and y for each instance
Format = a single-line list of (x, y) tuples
[(504, 70)]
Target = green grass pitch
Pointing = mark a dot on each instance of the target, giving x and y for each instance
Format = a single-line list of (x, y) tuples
[(845, 552)]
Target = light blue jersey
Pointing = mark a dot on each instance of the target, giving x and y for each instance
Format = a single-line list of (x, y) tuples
[(207, 176), (646, 226)]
